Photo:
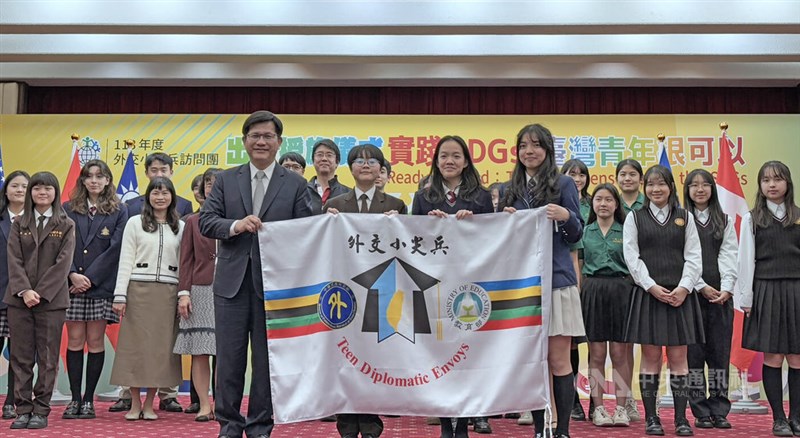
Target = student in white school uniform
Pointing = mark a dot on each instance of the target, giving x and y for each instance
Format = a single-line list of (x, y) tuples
[(769, 289), (662, 251), (719, 246)]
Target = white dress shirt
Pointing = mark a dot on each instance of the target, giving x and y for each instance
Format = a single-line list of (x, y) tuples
[(692, 254), (12, 216), (370, 196), (747, 255), (253, 181), (726, 261)]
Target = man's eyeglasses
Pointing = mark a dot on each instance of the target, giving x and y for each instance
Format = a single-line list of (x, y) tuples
[(371, 162), (256, 137), (292, 166)]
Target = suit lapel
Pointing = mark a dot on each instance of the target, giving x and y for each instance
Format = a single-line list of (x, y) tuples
[(82, 221), (47, 229), (274, 186), (93, 227), (351, 203), (245, 189), (378, 202)]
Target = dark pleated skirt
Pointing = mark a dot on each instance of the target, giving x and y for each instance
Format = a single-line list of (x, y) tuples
[(774, 322), (651, 322), (606, 303)]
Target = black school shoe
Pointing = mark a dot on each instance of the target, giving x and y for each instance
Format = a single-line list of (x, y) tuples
[(170, 405), (653, 426), (721, 423), (72, 411), (122, 405), (704, 423), (780, 427), (795, 426), (21, 422), (87, 411), (682, 427), (37, 422), (9, 412), (481, 425)]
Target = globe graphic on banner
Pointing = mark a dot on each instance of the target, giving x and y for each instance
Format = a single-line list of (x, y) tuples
[(89, 151)]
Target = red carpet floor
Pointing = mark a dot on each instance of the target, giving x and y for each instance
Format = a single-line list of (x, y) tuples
[(182, 426)]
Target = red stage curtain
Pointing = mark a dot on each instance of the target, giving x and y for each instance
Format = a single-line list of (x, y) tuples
[(412, 100)]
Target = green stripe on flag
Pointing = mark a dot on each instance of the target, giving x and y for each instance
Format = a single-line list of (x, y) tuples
[(299, 321), (516, 313)]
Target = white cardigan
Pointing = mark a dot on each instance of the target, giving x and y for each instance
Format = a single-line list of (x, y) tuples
[(149, 257)]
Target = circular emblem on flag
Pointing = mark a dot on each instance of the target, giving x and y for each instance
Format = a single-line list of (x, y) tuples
[(680, 222), (337, 305), (468, 306)]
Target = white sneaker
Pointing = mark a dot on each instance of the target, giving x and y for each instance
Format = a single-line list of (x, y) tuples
[(601, 417), (525, 418), (632, 410), (621, 417)]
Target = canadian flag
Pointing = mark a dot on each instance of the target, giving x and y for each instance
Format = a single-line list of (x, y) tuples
[(74, 170), (734, 204)]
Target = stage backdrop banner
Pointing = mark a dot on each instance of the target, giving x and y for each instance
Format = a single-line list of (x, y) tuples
[(407, 315), (200, 141)]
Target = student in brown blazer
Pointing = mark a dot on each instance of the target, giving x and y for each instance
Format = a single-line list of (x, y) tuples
[(40, 250), (365, 163)]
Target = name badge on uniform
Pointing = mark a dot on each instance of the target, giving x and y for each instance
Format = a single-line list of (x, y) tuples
[(105, 232), (680, 222), (56, 233)]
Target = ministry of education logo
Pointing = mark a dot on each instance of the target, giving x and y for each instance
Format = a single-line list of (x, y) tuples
[(337, 305), (468, 306)]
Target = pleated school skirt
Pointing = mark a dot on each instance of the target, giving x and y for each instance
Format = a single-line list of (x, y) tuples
[(651, 322), (774, 322), (565, 313), (606, 304)]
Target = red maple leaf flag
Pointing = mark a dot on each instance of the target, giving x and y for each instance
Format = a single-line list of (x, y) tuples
[(734, 204), (74, 170)]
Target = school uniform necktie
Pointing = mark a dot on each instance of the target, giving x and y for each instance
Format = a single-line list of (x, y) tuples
[(92, 212), (258, 194), (40, 226), (529, 192), (364, 206), (451, 198)]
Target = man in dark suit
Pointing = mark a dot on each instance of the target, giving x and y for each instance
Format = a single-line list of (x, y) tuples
[(325, 185), (242, 198), (155, 165), (365, 163)]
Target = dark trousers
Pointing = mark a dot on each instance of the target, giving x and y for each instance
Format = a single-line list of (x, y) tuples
[(241, 322), (352, 424), (37, 338), (716, 352)]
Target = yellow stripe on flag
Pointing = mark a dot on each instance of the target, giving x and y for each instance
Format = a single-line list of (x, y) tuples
[(291, 303), (515, 294)]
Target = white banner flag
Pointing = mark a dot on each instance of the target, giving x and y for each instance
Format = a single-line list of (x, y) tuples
[(407, 315)]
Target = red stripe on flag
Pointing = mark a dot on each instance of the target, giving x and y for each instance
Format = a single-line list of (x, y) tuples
[(734, 204), (72, 176), (502, 324), (297, 331)]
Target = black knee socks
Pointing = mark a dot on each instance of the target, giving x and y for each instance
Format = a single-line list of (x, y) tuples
[(75, 373), (94, 367), (564, 393), (680, 394), (575, 360), (773, 387), (648, 385), (447, 426), (794, 393)]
